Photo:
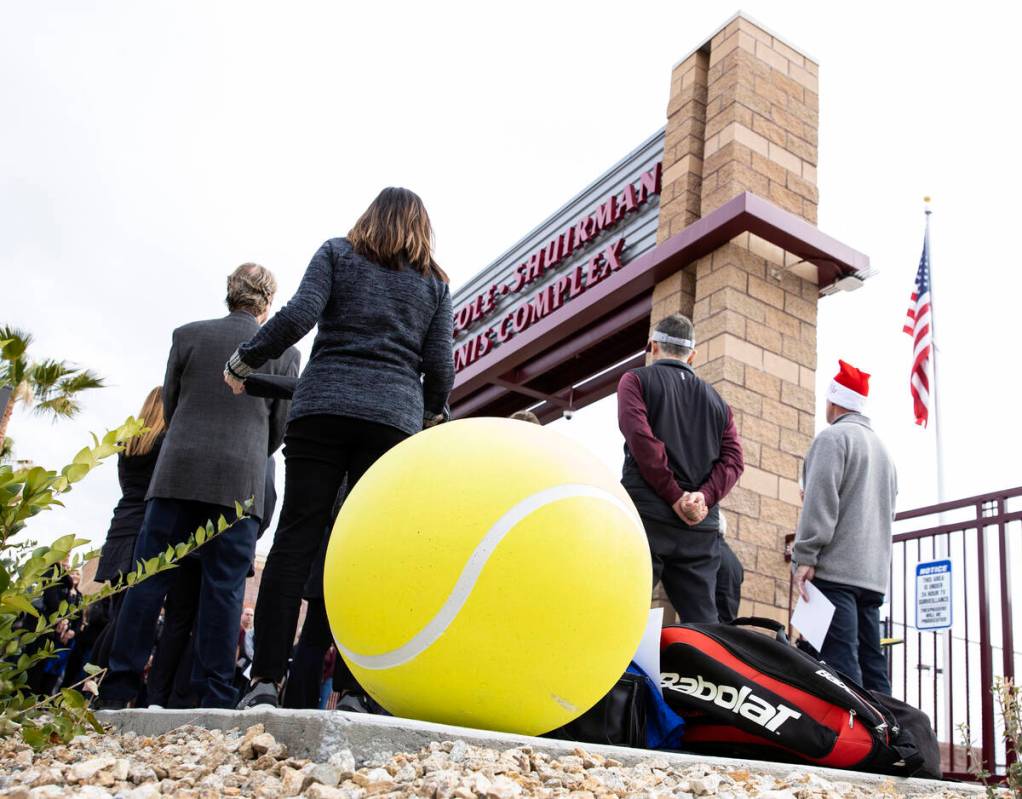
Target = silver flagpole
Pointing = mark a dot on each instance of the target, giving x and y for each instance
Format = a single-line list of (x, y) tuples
[(943, 549), (934, 391)]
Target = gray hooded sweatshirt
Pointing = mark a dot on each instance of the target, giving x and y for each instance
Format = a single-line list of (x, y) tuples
[(850, 490)]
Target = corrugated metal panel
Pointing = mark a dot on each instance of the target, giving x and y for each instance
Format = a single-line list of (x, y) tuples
[(639, 230)]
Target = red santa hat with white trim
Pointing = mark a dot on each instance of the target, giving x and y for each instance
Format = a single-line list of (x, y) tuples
[(849, 388)]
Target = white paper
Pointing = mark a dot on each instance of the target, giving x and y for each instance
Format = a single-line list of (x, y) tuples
[(648, 656), (813, 618)]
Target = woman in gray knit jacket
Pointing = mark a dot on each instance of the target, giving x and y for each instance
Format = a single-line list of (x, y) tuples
[(381, 368)]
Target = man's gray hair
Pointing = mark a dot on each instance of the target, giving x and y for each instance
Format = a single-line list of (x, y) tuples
[(250, 287), (676, 326)]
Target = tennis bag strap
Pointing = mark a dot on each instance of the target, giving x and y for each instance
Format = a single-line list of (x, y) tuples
[(744, 694)]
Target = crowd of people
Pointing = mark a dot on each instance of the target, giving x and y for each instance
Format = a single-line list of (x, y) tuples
[(381, 369)]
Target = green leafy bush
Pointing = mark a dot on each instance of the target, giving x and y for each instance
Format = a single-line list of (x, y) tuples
[(27, 570)]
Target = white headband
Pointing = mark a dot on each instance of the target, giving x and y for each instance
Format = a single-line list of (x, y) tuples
[(663, 338)]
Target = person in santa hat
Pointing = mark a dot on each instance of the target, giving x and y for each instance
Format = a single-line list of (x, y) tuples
[(843, 541)]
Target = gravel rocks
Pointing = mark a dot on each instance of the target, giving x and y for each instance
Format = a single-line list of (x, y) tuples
[(195, 763)]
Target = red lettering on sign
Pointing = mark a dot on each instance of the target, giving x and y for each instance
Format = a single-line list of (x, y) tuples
[(536, 265), (542, 303), (489, 300), (583, 231), (483, 344), (464, 355), (505, 331), (628, 202), (522, 318), (606, 213), (560, 287), (568, 237), (521, 278), (577, 286), (461, 318), (613, 254), (649, 183), (550, 255)]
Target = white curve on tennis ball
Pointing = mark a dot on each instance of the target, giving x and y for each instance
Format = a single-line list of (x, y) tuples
[(459, 595)]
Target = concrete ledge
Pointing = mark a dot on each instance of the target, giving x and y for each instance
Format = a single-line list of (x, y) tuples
[(317, 734)]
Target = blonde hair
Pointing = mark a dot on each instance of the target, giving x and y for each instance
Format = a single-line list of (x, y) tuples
[(152, 417), (525, 416), (250, 287), (394, 231)]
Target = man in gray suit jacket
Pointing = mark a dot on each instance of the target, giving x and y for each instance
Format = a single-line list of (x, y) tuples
[(214, 453)]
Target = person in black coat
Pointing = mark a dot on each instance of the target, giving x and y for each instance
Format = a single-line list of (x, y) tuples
[(169, 684), (381, 369), (135, 465), (44, 676), (214, 455)]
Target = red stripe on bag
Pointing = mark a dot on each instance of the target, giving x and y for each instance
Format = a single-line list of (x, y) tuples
[(854, 743)]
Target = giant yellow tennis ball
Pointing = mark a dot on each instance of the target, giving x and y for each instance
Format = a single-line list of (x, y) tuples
[(488, 573)]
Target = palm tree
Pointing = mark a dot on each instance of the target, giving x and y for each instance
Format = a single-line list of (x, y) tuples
[(51, 387)]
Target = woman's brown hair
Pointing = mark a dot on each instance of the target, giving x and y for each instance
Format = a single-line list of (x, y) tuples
[(394, 231), (152, 417)]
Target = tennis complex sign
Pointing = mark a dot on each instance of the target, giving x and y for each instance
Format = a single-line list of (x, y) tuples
[(557, 256)]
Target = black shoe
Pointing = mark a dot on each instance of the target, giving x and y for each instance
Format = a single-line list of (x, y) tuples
[(354, 703), (109, 704), (262, 694), (359, 702)]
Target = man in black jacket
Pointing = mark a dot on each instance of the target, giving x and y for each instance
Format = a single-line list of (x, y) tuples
[(214, 454), (682, 456)]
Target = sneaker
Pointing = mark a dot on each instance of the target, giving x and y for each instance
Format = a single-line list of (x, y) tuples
[(354, 703), (156, 707), (358, 702), (262, 694)]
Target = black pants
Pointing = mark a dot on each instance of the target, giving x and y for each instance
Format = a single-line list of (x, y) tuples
[(852, 645), (730, 576), (686, 561), (179, 611), (319, 452), (224, 561), (101, 649)]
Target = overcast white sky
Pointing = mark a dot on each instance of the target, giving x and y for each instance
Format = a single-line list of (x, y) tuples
[(148, 148)]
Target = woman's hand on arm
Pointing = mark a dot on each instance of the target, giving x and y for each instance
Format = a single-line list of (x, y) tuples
[(237, 386)]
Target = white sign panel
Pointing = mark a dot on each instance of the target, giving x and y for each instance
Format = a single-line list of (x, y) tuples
[(933, 595)]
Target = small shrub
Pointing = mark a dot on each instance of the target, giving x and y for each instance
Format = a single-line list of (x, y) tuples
[(1009, 704), (27, 570)]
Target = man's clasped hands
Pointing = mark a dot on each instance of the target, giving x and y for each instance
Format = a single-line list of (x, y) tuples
[(691, 508)]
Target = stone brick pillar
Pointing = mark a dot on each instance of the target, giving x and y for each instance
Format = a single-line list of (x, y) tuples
[(743, 116)]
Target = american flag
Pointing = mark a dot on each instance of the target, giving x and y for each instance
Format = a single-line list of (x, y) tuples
[(917, 325)]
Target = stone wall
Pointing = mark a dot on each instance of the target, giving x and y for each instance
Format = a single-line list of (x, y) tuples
[(742, 117)]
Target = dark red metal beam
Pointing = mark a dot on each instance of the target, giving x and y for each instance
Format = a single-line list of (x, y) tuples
[(986, 652), (591, 391), (567, 362), (958, 504)]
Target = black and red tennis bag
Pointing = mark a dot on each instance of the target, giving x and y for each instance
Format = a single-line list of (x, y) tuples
[(744, 694)]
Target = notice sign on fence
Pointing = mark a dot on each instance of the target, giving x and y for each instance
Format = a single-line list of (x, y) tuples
[(933, 595)]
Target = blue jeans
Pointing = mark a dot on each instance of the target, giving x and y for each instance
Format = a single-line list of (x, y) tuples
[(224, 562), (852, 645), (325, 690)]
